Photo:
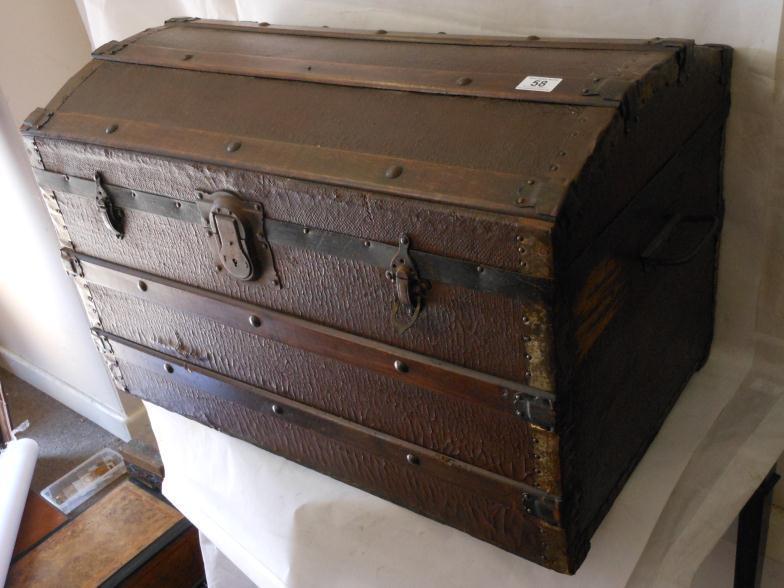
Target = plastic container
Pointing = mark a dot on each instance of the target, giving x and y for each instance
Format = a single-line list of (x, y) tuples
[(85, 480)]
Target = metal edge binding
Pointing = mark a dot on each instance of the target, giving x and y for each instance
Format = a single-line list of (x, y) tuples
[(442, 38), (535, 502), (491, 391), (432, 267)]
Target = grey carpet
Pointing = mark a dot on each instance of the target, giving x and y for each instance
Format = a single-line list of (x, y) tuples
[(65, 438)]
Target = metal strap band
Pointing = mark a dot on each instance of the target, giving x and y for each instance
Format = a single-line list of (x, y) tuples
[(433, 374), (435, 268), (500, 488), (573, 91)]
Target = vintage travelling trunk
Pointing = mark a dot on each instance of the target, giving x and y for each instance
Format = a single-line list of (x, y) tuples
[(470, 275)]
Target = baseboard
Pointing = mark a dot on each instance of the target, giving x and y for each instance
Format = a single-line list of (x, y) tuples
[(108, 418)]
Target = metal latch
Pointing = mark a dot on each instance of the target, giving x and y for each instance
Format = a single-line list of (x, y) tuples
[(410, 289), (112, 216), (227, 227)]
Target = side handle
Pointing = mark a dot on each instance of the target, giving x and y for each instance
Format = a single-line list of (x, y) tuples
[(649, 257)]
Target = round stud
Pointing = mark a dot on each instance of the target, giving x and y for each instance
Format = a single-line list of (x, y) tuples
[(400, 366), (533, 37), (142, 285), (277, 409), (412, 459), (254, 321), (366, 243), (111, 128), (178, 205), (263, 24), (403, 241), (306, 230), (381, 32), (464, 81), (187, 57), (168, 368), (393, 171), (233, 146), (480, 269)]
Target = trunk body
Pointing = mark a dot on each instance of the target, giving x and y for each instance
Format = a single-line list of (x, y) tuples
[(470, 275)]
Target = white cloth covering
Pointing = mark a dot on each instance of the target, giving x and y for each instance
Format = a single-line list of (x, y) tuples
[(283, 525)]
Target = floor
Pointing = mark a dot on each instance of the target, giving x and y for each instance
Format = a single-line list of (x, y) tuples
[(65, 438)]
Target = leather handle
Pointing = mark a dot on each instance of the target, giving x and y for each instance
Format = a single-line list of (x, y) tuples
[(648, 255)]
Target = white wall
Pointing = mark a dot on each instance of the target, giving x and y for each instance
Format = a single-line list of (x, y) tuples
[(44, 333)]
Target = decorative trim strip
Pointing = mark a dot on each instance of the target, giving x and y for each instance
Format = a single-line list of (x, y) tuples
[(533, 41), (445, 184), (414, 368), (537, 503), (573, 91), (435, 268)]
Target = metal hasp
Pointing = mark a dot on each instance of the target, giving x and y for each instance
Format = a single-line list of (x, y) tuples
[(229, 235), (111, 215), (410, 289)]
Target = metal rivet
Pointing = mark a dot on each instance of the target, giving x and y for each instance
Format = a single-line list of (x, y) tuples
[(553, 167), (393, 171), (586, 91), (521, 249), (218, 268), (400, 366), (199, 196), (275, 282), (528, 356), (412, 459), (518, 238), (178, 204), (257, 207), (187, 57), (389, 275), (67, 178), (233, 146), (263, 24), (133, 194), (464, 81), (254, 320), (168, 368), (523, 200), (527, 374), (142, 285), (277, 409), (111, 128), (366, 243), (381, 32), (562, 153), (531, 182), (404, 241), (260, 236), (526, 338), (597, 80), (306, 230), (480, 269), (526, 320)]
